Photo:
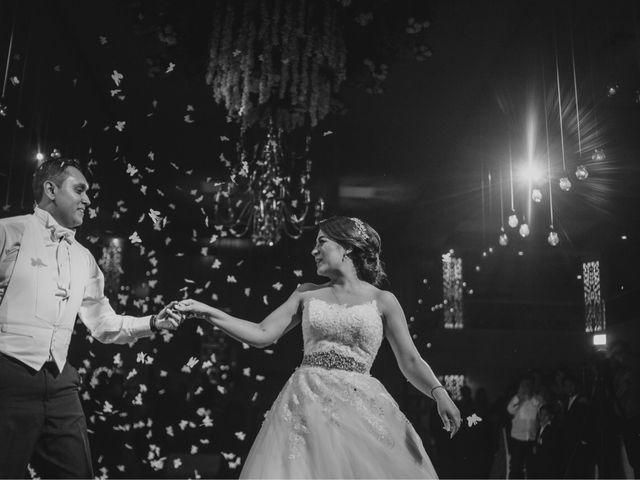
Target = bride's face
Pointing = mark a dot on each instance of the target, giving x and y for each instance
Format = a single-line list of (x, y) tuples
[(327, 254)]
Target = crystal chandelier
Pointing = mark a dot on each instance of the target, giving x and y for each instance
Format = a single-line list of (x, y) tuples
[(269, 193), (274, 66)]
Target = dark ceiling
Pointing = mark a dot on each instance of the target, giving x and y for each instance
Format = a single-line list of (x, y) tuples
[(422, 161)]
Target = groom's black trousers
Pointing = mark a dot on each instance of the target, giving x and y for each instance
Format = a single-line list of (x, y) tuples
[(42, 422)]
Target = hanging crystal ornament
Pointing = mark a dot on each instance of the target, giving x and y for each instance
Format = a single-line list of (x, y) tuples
[(581, 172), (267, 198), (612, 89), (524, 230), (553, 238), (598, 155), (503, 239), (3, 109), (565, 184), (536, 195), (513, 220)]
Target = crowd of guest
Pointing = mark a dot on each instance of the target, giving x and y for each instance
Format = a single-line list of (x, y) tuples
[(567, 423)]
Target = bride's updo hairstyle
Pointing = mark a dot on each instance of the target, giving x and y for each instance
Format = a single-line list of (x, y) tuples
[(363, 241)]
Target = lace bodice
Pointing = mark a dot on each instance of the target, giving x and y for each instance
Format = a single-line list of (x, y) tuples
[(352, 330)]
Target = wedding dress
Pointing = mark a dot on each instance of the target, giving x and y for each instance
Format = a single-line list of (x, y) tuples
[(332, 419)]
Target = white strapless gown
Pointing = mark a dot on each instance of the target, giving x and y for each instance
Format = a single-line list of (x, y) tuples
[(333, 419)]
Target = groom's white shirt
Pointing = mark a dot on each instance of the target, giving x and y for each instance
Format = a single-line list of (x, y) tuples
[(45, 283)]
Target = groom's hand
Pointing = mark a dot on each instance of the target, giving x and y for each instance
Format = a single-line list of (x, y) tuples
[(168, 318)]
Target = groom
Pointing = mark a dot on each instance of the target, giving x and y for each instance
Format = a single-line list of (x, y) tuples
[(47, 279)]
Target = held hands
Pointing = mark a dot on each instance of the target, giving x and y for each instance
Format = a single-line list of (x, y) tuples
[(448, 411), (194, 308), (168, 318)]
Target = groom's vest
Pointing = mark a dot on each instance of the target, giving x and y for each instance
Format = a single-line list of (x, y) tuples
[(30, 330)]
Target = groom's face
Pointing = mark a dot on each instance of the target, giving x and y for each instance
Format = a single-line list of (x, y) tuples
[(71, 199)]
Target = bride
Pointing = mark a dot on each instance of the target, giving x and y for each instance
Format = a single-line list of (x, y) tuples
[(332, 419)]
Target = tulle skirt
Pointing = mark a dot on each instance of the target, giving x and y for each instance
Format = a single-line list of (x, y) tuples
[(336, 424)]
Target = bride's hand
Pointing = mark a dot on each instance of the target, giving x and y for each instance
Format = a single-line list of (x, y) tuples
[(194, 308), (449, 413)]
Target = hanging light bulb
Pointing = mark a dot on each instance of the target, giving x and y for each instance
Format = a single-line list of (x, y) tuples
[(39, 156), (536, 195), (598, 155), (503, 239), (3, 109), (55, 153), (553, 238), (524, 230), (565, 184), (513, 220), (581, 172)]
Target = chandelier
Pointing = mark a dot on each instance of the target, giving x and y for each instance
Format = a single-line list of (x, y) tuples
[(269, 193), (274, 66)]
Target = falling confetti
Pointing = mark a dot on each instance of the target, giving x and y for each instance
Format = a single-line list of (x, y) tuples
[(473, 419), (117, 77)]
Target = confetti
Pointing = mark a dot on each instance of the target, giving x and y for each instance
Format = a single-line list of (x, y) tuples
[(131, 170), (117, 77), (135, 238), (207, 421), (473, 419), (193, 361)]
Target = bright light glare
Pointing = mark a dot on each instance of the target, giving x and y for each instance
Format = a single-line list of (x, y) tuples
[(39, 156), (533, 173), (600, 339)]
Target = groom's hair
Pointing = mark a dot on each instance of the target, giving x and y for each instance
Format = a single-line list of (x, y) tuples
[(54, 170)]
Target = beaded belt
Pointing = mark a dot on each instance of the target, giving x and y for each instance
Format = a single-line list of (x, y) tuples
[(333, 360)]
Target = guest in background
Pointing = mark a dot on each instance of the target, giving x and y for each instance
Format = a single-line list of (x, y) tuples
[(625, 379), (577, 429), (547, 452), (523, 408)]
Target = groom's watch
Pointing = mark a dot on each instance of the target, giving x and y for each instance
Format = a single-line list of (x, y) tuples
[(152, 324)]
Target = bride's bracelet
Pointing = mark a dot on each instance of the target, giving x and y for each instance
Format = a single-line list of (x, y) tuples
[(435, 388)]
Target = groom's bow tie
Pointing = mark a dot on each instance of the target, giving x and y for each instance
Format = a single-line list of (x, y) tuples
[(61, 233)]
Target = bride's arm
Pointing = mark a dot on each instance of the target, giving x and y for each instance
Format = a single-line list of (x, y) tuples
[(411, 364), (259, 335)]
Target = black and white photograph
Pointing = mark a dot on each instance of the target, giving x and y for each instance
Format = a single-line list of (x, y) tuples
[(319, 239)]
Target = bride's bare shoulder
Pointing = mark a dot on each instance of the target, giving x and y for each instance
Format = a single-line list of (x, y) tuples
[(309, 288)]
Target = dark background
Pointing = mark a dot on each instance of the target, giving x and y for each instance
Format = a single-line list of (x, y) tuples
[(422, 163)]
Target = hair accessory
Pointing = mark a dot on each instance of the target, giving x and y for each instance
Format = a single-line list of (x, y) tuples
[(361, 230)]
